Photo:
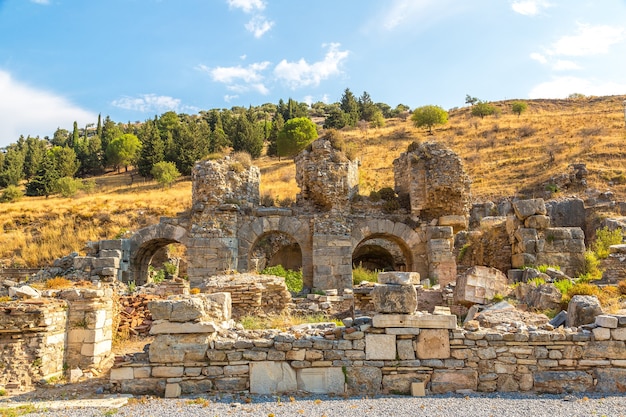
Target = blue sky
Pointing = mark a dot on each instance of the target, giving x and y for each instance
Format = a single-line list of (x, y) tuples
[(66, 60)]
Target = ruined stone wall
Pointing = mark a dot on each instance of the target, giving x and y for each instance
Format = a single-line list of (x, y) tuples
[(90, 327), (32, 342), (327, 178), (252, 295), (434, 180), (394, 353)]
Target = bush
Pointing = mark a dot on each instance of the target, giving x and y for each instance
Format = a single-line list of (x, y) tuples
[(243, 158), (604, 239), (360, 274), (563, 285), (68, 186), (10, 194), (267, 200), (165, 173), (387, 193), (592, 267), (293, 279), (58, 282), (285, 202), (374, 196), (89, 185), (544, 268), (621, 286)]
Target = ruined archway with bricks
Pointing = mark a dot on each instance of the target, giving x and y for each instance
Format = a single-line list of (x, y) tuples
[(148, 244)]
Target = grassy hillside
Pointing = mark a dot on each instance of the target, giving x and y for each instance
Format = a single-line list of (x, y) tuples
[(504, 155)]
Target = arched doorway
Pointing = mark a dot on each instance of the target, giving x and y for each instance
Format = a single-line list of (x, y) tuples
[(275, 248), (379, 254)]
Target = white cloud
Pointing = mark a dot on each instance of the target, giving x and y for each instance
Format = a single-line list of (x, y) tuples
[(529, 7), (148, 103), (590, 40), (301, 73), (28, 111), (258, 25), (539, 57), (43, 2), (564, 65), (247, 6), (561, 87), (228, 75), (416, 13), (228, 98)]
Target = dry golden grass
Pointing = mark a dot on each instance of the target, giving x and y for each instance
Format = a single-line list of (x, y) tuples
[(504, 155), (38, 230)]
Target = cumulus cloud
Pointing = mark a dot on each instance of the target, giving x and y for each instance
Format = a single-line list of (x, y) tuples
[(43, 2), (562, 87), (239, 79), (302, 74), (529, 7), (565, 65), (258, 25), (27, 111), (148, 103), (247, 6), (539, 57), (589, 40), (228, 98)]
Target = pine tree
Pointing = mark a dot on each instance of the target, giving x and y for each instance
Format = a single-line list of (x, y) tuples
[(152, 148), (44, 182), (350, 107)]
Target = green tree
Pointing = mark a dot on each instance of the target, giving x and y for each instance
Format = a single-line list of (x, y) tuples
[(483, 109), (110, 131), (218, 139), (519, 107), (12, 171), (165, 173), (44, 182), (35, 151), (247, 136), (123, 150), (471, 100), (429, 116), (277, 126), (296, 135), (336, 118), (350, 106), (152, 148), (60, 137), (75, 135), (64, 160)]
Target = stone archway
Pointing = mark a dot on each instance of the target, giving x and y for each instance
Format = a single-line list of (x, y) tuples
[(390, 244), (146, 243), (275, 248), (294, 231)]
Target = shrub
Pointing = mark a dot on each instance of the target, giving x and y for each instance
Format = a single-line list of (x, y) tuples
[(563, 285), (170, 268), (526, 131), (243, 158), (387, 193), (58, 282), (537, 281), (68, 186), (285, 202), (267, 200), (544, 268), (592, 267), (604, 239), (622, 286), (293, 279), (236, 167), (89, 185), (10, 194), (194, 291), (360, 274), (165, 173), (390, 206), (374, 196)]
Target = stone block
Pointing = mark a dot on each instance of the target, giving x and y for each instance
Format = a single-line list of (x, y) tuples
[(380, 347), (457, 222), (401, 278), (558, 382), (168, 327), (601, 333), (440, 232), (272, 377), (618, 334), (479, 284), (424, 321), (583, 309), (607, 321), (231, 384), (433, 344), (167, 371), (537, 221), (106, 263), (611, 380), (172, 390), (321, 380), (142, 372), (405, 349), (96, 349), (363, 380), (179, 348), (394, 298), (526, 208), (121, 373), (402, 331), (610, 349), (196, 386), (443, 381), (418, 389)]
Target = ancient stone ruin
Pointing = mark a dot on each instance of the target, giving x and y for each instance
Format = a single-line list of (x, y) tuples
[(400, 335)]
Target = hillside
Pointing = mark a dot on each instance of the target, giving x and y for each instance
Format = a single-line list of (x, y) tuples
[(505, 155)]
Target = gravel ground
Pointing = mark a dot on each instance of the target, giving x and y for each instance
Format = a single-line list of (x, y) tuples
[(498, 405)]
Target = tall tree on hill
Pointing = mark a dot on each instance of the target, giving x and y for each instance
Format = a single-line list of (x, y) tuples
[(248, 136), (152, 147), (60, 137), (43, 183), (35, 151), (218, 139), (75, 136), (110, 131), (99, 125), (295, 135), (123, 151), (13, 168), (66, 163), (277, 126), (92, 161), (336, 118), (350, 106)]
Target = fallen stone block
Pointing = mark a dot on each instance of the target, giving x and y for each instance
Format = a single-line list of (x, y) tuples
[(583, 309), (401, 278), (394, 298), (479, 284)]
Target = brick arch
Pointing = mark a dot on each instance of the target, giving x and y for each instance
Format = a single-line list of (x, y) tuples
[(407, 239), (299, 231), (146, 242)]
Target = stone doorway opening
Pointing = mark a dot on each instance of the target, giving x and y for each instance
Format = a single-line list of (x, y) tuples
[(380, 253), (161, 259), (275, 248)]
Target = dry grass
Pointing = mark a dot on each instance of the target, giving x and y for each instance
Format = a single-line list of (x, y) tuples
[(505, 155)]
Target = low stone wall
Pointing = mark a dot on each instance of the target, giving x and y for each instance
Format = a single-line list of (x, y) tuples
[(251, 294), (391, 353), (32, 341)]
